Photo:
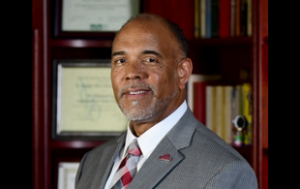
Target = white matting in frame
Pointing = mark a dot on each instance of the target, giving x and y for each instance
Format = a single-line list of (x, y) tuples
[(66, 175)]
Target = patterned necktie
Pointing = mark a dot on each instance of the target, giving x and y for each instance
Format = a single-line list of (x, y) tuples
[(127, 168)]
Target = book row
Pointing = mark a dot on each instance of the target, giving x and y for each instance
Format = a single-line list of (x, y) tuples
[(222, 18), (225, 109)]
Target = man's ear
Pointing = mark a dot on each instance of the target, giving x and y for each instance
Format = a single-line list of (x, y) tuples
[(184, 71)]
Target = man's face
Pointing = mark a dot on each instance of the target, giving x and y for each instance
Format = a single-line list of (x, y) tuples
[(144, 59)]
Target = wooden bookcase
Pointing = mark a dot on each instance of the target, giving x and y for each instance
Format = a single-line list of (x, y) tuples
[(226, 56)]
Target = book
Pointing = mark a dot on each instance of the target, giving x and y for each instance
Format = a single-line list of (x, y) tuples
[(200, 101), (210, 100), (227, 113), (249, 17), (224, 18), (218, 111), (247, 112), (190, 87), (202, 18), (237, 17), (232, 18), (208, 19), (244, 18), (215, 5), (197, 19)]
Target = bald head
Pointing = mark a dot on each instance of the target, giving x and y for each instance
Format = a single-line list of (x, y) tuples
[(173, 28)]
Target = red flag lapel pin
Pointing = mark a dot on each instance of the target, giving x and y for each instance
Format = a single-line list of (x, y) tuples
[(165, 157)]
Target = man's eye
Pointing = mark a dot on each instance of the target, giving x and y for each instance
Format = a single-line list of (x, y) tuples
[(150, 60), (120, 61)]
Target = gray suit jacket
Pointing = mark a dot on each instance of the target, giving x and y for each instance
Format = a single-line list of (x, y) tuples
[(200, 159)]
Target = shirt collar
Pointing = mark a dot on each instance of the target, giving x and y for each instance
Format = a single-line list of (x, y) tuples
[(150, 139)]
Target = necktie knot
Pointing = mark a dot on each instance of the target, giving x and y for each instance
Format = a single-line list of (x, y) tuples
[(134, 149)]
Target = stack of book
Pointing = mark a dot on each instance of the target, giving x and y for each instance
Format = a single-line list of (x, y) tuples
[(218, 105)]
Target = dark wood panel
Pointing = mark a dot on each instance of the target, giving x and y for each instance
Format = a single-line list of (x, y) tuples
[(80, 53), (265, 170), (236, 64), (65, 145), (246, 151), (37, 112), (177, 11), (221, 42), (260, 86), (80, 43), (38, 142), (206, 60), (265, 95)]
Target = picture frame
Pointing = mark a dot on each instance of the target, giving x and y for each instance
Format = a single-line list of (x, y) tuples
[(66, 173), (83, 103), (92, 19)]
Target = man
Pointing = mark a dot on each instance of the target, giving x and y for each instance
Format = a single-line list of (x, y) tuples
[(150, 69)]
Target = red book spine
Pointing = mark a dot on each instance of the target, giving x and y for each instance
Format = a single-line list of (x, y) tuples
[(238, 17), (200, 100), (224, 18)]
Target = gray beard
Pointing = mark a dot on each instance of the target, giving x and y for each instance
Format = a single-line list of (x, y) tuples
[(136, 114)]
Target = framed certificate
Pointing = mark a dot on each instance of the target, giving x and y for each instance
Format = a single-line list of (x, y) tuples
[(84, 106), (82, 18), (66, 175)]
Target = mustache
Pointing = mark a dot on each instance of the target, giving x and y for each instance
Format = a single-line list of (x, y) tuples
[(140, 85)]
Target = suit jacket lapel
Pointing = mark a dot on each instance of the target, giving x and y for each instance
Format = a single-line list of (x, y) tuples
[(106, 162), (154, 169)]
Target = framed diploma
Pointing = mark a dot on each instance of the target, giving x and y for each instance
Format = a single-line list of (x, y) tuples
[(93, 18), (66, 175), (84, 106)]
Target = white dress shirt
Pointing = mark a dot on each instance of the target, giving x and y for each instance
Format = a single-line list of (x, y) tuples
[(148, 140)]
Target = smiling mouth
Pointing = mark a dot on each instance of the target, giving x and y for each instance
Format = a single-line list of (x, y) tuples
[(137, 92)]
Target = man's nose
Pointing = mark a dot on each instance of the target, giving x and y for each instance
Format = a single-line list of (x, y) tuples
[(135, 70)]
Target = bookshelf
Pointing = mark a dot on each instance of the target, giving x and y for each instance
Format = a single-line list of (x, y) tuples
[(226, 56)]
